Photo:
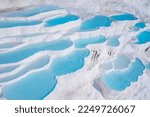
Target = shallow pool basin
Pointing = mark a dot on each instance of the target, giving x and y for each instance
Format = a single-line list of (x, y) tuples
[(82, 43), (39, 84), (29, 11), (120, 79), (60, 20), (143, 37), (24, 52), (123, 17), (95, 23)]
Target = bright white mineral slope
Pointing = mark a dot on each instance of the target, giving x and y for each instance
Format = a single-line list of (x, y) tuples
[(81, 84), (139, 8)]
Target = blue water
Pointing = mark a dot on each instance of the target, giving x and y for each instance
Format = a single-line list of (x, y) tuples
[(121, 62), (82, 43), (9, 24), (134, 28), (113, 41), (24, 52), (7, 69), (140, 25), (34, 86), (143, 37), (147, 66), (38, 85), (29, 12), (123, 17), (69, 63), (95, 23), (60, 20), (33, 65), (119, 80)]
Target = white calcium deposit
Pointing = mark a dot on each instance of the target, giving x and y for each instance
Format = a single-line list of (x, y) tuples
[(84, 83)]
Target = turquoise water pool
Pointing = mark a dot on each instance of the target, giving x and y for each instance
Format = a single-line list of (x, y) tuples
[(8, 69), (38, 85), (123, 17), (143, 37), (119, 80), (69, 63), (60, 20), (9, 24), (140, 25), (134, 28), (38, 63), (95, 23), (29, 12), (34, 86), (82, 43), (24, 52), (113, 41), (121, 62)]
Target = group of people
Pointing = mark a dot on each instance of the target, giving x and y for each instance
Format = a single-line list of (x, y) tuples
[(95, 54)]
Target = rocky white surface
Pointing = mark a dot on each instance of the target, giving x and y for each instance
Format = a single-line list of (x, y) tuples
[(85, 83)]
